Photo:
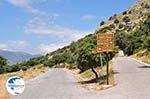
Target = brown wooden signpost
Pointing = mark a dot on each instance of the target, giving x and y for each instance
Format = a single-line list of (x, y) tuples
[(105, 44)]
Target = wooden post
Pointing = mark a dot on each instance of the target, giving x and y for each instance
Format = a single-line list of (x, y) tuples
[(107, 68), (105, 44)]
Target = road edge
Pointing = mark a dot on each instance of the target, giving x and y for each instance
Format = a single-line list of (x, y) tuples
[(139, 61)]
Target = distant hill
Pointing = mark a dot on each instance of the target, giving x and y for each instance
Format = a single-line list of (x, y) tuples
[(15, 57)]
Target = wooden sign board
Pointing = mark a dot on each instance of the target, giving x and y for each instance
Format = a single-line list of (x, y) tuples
[(104, 42)]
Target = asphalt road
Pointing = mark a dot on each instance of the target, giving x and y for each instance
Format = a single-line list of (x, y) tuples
[(133, 82)]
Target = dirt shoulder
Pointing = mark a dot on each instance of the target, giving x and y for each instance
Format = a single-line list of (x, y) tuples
[(87, 78), (143, 56)]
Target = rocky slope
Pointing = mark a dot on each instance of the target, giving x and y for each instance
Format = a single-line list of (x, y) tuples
[(127, 20)]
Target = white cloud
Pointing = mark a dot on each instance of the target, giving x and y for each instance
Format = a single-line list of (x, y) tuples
[(18, 43), (4, 47), (14, 45), (88, 17), (42, 27), (20, 3), (38, 26), (51, 47), (27, 4)]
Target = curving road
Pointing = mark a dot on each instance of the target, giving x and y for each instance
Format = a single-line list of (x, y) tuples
[(133, 82)]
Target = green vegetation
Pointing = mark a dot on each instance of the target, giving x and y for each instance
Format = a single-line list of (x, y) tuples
[(5, 68), (124, 13), (3, 62), (102, 23), (135, 41), (112, 26), (147, 43), (121, 26), (116, 21), (79, 53), (147, 6), (105, 29), (126, 19), (110, 18)]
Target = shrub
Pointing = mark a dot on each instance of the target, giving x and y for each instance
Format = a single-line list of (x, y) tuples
[(49, 63), (104, 30), (115, 15), (147, 43), (130, 12), (124, 13), (110, 18), (102, 23), (15, 68), (126, 19), (8, 69), (116, 21), (112, 26), (24, 68), (2, 70), (147, 6), (121, 26)]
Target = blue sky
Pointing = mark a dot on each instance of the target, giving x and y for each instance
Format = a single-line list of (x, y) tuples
[(41, 26)]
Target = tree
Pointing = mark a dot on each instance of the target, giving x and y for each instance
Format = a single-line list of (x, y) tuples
[(87, 60), (85, 57), (126, 19), (48, 63), (121, 40), (13, 68), (3, 62)]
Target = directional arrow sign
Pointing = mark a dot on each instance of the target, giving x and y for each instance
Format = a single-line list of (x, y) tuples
[(105, 42)]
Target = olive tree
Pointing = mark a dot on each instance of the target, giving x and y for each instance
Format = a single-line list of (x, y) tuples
[(85, 57)]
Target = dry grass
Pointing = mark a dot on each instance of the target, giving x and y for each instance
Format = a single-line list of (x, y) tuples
[(30, 73), (143, 56), (3, 92)]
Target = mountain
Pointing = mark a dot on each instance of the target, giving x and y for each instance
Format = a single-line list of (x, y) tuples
[(15, 57)]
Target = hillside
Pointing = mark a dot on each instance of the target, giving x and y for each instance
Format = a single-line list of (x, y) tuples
[(131, 29), (15, 57), (127, 20)]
